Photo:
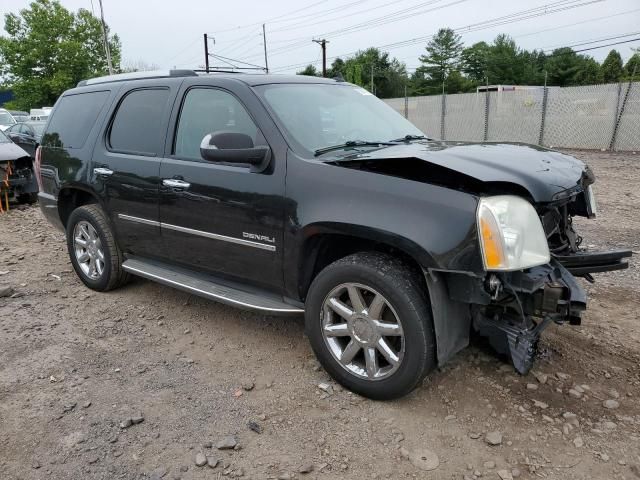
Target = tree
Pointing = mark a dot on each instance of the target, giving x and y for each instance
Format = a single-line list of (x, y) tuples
[(566, 68), (633, 65), (443, 55), (611, 69), (389, 74), (310, 71), (336, 69), (49, 49), (138, 66), (474, 61), (506, 62)]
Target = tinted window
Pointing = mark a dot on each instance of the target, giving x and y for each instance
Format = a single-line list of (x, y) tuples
[(136, 127), (73, 118), (207, 110)]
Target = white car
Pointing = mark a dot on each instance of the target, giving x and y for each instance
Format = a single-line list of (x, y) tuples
[(6, 119)]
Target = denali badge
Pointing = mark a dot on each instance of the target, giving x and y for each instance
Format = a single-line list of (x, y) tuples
[(253, 236)]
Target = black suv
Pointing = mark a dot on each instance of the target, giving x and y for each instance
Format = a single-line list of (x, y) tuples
[(292, 194)]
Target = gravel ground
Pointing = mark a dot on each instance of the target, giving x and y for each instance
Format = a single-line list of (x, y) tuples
[(148, 382)]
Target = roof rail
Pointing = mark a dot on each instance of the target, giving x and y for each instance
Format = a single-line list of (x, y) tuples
[(121, 77)]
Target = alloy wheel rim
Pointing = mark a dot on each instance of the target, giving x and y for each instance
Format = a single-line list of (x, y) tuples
[(362, 331), (87, 247)]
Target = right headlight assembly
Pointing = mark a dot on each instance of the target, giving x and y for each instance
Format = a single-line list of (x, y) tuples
[(511, 234)]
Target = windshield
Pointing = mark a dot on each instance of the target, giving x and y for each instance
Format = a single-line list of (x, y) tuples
[(316, 116), (4, 138), (6, 119), (38, 127)]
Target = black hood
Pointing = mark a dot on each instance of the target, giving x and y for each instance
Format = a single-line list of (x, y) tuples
[(11, 151), (478, 167)]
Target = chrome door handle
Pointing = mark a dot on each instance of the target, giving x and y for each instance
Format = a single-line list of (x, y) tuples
[(102, 171), (175, 183)]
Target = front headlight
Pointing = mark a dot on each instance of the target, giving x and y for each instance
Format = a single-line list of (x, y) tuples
[(511, 234)]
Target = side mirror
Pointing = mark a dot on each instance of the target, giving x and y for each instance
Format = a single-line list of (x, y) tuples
[(15, 137), (232, 147)]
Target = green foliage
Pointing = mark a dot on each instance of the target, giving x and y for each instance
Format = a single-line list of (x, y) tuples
[(309, 71), (443, 55), (611, 69), (474, 60), (633, 65), (567, 68), (49, 49), (389, 74)]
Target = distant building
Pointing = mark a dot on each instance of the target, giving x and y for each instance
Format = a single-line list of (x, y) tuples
[(5, 96), (507, 88)]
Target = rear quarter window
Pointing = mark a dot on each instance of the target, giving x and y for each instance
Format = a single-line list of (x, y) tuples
[(137, 125), (73, 118)]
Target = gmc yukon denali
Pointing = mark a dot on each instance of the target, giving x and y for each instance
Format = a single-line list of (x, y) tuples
[(299, 195)]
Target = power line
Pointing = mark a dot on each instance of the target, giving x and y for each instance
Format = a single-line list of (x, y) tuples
[(576, 23), (607, 45), (385, 19), (587, 42), (340, 17), (184, 49), (272, 19), (544, 10)]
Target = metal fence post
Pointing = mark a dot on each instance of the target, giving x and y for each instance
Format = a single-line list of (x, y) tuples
[(442, 115), (621, 112), (545, 96), (486, 115), (406, 103)]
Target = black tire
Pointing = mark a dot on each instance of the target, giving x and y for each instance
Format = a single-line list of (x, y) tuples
[(113, 275), (29, 198), (406, 293)]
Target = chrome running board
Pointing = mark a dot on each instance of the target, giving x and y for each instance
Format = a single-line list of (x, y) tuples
[(207, 287)]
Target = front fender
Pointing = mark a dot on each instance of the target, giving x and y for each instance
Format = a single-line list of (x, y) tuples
[(435, 225)]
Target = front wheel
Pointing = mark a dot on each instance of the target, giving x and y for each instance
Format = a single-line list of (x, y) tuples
[(93, 251), (369, 323)]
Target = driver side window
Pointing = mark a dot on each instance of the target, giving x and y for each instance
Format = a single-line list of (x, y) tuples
[(207, 110)]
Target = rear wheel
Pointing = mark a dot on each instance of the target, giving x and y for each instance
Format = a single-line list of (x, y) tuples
[(370, 325), (93, 251), (28, 198)]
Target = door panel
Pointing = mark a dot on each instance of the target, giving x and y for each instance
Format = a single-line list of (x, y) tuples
[(228, 220), (126, 166)]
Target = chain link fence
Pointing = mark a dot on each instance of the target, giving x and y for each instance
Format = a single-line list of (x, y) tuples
[(599, 117)]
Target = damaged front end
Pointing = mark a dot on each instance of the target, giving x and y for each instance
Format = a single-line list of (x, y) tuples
[(523, 303)]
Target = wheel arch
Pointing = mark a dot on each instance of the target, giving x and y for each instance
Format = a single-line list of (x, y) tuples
[(71, 197), (324, 243)]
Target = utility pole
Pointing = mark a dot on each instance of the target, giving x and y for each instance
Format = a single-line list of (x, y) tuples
[(323, 45), (206, 53), (107, 51), (264, 41)]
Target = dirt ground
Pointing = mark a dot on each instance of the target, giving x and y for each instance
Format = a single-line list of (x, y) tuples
[(77, 366)]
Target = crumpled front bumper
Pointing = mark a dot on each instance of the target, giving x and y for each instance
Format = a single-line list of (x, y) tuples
[(584, 263), (548, 293)]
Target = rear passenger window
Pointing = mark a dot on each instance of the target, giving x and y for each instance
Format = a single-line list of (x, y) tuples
[(72, 119), (136, 127), (208, 110)]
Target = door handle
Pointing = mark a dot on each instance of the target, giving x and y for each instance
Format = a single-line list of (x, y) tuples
[(102, 171), (175, 183)]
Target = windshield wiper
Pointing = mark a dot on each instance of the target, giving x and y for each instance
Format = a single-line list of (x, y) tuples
[(409, 138), (352, 143)]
